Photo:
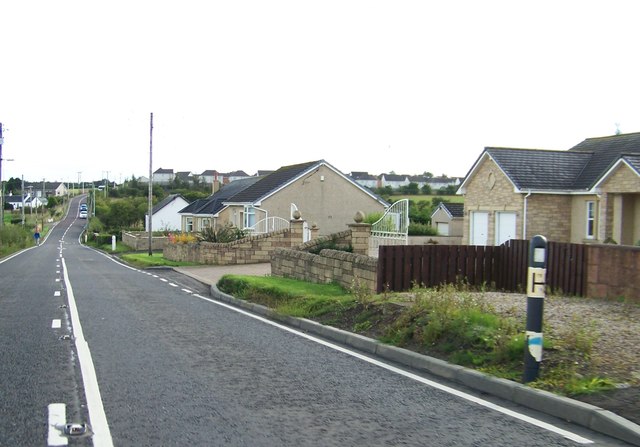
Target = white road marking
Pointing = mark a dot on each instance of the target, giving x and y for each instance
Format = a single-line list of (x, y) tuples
[(56, 293), (57, 420), (56, 324), (186, 290), (164, 280), (522, 417), (99, 425), (173, 285)]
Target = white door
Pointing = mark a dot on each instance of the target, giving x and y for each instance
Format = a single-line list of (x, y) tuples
[(479, 227), (442, 228), (505, 227)]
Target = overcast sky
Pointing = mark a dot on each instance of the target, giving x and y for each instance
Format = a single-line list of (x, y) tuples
[(402, 86)]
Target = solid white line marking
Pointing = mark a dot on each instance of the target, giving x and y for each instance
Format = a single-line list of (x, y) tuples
[(56, 324), (57, 420), (99, 424), (56, 293), (522, 417)]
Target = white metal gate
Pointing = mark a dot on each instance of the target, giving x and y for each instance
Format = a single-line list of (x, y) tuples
[(392, 228)]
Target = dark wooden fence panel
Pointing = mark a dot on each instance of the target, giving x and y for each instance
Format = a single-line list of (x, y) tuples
[(504, 267)]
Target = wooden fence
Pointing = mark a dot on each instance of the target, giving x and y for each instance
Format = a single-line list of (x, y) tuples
[(502, 268)]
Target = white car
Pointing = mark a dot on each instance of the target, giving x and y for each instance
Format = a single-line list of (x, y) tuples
[(83, 214)]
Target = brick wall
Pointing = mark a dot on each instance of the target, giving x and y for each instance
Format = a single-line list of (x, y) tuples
[(612, 272), (330, 266), (249, 250)]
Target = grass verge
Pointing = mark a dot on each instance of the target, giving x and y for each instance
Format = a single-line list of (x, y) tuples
[(449, 323)]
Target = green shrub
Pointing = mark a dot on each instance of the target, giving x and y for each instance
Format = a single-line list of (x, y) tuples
[(418, 229)]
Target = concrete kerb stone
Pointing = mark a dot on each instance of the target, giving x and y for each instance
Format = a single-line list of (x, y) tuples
[(586, 415)]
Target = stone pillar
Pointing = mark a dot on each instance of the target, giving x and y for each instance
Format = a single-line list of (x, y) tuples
[(360, 235), (297, 229), (314, 231)]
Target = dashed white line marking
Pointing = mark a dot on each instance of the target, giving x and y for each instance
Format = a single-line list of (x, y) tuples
[(57, 420), (164, 280), (56, 293), (56, 324), (173, 285), (187, 290)]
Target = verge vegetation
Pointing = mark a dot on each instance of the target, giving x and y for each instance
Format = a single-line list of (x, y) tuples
[(449, 323)]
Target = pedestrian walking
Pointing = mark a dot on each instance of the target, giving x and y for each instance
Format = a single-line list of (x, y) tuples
[(36, 235)]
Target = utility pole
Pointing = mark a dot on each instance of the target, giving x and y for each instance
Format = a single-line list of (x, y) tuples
[(150, 212)]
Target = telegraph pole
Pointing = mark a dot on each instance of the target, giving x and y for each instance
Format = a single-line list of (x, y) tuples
[(150, 183)]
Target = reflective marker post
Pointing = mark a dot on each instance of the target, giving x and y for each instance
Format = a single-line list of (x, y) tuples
[(536, 281)]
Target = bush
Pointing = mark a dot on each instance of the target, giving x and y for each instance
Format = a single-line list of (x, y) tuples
[(418, 229), (228, 233)]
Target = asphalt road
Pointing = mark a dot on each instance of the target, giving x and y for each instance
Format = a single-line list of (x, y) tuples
[(146, 358)]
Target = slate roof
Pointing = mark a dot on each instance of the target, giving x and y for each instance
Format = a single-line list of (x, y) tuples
[(454, 209), (215, 202), (272, 182), (606, 151), (578, 169), (540, 169)]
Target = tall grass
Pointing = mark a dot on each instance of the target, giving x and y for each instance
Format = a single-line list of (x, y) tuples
[(14, 238)]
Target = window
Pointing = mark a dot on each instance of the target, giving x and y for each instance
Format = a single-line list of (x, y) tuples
[(189, 226), (591, 220), (205, 223), (249, 216)]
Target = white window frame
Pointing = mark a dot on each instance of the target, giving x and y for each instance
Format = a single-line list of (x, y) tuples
[(590, 219), (189, 225)]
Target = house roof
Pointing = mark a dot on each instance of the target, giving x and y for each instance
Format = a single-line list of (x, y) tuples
[(361, 175), (284, 176), (272, 182), (452, 209), (166, 201), (215, 202), (605, 153), (539, 169), (581, 168), (163, 171)]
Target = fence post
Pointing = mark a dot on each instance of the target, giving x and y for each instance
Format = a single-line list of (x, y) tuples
[(536, 280)]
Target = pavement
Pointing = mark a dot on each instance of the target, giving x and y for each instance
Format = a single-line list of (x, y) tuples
[(586, 415)]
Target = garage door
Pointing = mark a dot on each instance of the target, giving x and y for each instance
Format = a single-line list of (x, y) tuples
[(479, 227), (505, 227)]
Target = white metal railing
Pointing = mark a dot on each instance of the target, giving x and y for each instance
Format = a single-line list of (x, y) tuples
[(392, 228), (268, 225)]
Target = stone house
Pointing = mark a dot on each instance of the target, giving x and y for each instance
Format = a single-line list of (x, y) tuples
[(322, 194), (448, 219), (587, 194)]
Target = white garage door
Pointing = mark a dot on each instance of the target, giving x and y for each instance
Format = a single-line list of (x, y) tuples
[(479, 227), (505, 227)]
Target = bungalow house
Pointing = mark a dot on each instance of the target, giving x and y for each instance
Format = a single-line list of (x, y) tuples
[(365, 179), (321, 193), (588, 194), (204, 213), (165, 214), (448, 219), (163, 176), (394, 181)]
